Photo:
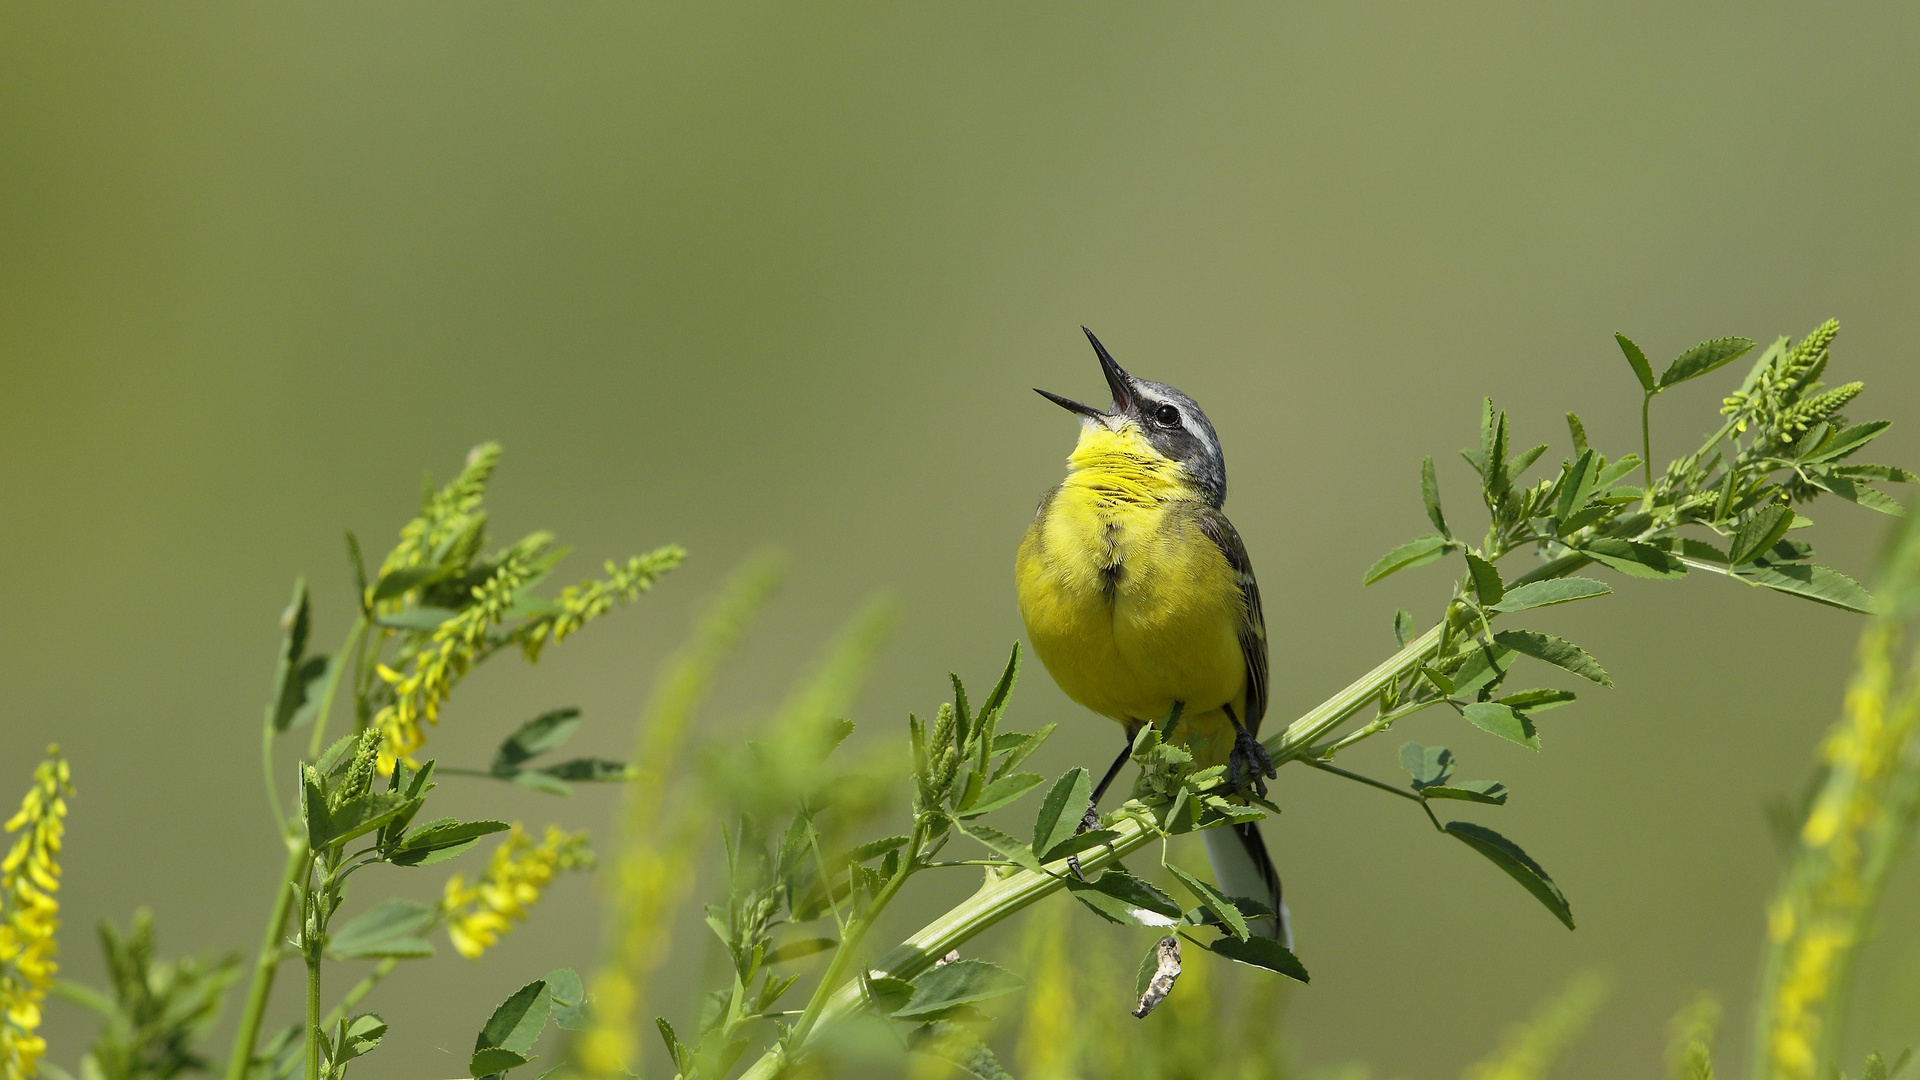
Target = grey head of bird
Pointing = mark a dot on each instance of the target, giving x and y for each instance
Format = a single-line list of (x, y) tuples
[(1170, 421)]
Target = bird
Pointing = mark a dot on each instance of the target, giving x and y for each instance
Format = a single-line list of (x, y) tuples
[(1137, 594)]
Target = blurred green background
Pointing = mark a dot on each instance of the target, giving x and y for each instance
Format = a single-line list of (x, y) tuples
[(730, 275)]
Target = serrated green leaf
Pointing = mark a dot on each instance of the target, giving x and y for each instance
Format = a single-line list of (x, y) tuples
[(1859, 493), (1078, 843), (1574, 487), (1636, 559), (1018, 750), (1612, 474), (1412, 553), (395, 582), (391, 928), (359, 1036), (1001, 843), (1704, 357), (1578, 432), (1533, 701), (1507, 855), (1428, 765), (512, 1029), (959, 1047), (1001, 792), (677, 1053), (1559, 652), (589, 770), (873, 849), (540, 781), (1261, 952), (1430, 495), (1214, 901), (1119, 897), (493, 1061), (1764, 528), (1486, 580), (1498, 719), (1402, 627), (1637, 360), (440, 840), (1816, 583), (1440, 682), (1848, 441), (958, 982), (1538, 594), (565, 987), (1481, 791), (794, 950), (1480, 667), (362, 814), (997, 697), (533, 738), (1061, 810), (1876, 472)]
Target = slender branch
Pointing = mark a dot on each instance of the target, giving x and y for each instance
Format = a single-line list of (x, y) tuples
[(334, 668), (267, 963), (1358, 778), (1646, 445), (360, 990)]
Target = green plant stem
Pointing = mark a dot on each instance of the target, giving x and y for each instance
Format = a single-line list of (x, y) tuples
[(313, 1014), (267, 963), (318, 740), (1646, 445), (850, 939)]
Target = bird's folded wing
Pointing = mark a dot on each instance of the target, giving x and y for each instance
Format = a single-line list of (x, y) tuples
[(1253, 632)]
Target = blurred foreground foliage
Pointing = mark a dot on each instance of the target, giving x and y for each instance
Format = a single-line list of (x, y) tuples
[(819, 838)]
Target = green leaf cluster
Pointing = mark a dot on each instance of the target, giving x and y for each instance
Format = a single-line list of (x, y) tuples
[(507, 1039), (154, 1010)]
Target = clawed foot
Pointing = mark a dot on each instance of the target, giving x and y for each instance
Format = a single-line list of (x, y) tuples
[(1249, 764), (1088, 820)]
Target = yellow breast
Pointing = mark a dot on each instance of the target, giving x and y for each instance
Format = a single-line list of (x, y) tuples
[(1128, 604)]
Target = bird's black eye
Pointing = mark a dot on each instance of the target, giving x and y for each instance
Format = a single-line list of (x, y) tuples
[(1167, 415)]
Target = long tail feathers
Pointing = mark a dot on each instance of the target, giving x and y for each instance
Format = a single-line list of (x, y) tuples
[(1242, 867)]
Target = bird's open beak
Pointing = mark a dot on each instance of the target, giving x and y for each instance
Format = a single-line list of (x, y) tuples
[(1118, 382)]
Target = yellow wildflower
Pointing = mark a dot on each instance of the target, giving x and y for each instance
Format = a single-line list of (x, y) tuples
[(479, 913), (1861, 812), (29, 878)]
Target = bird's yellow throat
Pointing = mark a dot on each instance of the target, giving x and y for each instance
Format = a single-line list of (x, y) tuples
[(1121, 465)]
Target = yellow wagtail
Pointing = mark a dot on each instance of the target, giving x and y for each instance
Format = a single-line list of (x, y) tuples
[(1137, 593)]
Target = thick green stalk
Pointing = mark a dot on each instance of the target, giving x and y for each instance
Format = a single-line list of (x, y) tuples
[(318, 740), (313, 1014), (265, 965)]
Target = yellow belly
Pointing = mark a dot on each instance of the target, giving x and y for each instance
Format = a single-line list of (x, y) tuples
[(1131, 608)]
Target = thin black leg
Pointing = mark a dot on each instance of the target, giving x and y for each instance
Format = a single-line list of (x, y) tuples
[(1091, 818), (1113, 770)]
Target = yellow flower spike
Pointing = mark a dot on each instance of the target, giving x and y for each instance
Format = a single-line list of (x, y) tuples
[(29, 878), (478, 914)]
